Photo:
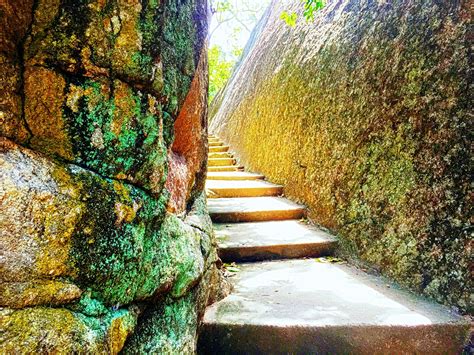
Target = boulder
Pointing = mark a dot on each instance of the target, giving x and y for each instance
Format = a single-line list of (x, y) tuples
[(15, 20), (363, 114), (67, 223), (96, 239), (101, 84)]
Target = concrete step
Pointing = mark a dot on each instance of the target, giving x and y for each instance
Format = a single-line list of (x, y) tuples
[(221, 148), (224, 168), (221, 161), (253, 209), (272, 240), (306, 307), (220, 155), (238, 175), (243, 188)]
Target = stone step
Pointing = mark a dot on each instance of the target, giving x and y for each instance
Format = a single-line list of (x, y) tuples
[(243, 188), (220, 155), (272, 240), (221, 161), (253, 209), (211, 141), (306, 307), (221, 148), (224, 168), (215, 144), (238, 175)]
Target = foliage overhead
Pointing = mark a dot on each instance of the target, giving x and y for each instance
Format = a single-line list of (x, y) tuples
[(220, 70), (310, 7), (234, 19)]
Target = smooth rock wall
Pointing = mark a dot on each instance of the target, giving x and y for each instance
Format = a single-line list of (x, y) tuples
[(365, 116)]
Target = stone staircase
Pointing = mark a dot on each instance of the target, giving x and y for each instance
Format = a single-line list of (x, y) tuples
[(290, 297)]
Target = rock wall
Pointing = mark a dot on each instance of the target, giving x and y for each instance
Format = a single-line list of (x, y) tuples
[(364, 116), (106, 241)]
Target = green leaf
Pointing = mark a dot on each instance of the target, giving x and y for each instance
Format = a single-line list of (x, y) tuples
[(289, 18), (223, 6), (233, 268), (329, 260), (310, 7)]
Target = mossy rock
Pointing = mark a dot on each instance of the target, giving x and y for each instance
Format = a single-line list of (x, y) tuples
[(50, 330), (92, 92), (119, 242), (102, 83)]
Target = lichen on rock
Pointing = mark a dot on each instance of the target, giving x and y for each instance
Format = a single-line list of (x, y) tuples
[(92, 245), (50, 330), (167, 328)]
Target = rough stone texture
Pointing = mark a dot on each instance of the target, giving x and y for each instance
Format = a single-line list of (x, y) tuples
[(364, 116), (51, 330), (101, 82), (63, 221), (99, 100), (12, 35), (254, 241), (171, 324), (189, 149)]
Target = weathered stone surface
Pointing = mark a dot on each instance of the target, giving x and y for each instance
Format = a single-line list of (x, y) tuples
[(50, 330), (44, 98), (248, 209), (224, 168), (256, 188), (100, 84), (40, 206), (237, 175), (189, 149), (216, 149), (49, 238), (157, 253), (253, 241), (171, 325), (366, 110), (161, 330), (15, 21), (37, 292), (98, 98)]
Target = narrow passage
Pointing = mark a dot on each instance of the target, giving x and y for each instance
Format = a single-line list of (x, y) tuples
[(288, 296)]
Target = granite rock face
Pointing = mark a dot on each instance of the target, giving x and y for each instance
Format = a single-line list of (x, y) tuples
[(363, 114), (103, 219)]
